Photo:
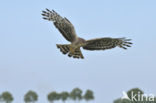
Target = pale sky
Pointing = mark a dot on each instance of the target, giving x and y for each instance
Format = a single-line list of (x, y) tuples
[(30, 60)]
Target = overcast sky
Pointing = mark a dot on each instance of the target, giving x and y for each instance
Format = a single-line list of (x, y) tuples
[(30, 60)]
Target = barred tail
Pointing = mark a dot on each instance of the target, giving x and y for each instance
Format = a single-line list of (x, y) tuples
[(65, 49)]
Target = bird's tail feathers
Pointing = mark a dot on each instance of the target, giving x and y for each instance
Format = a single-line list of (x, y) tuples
[(65, 49)]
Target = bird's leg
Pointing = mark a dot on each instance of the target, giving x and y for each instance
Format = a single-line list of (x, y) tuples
[(72, 50)]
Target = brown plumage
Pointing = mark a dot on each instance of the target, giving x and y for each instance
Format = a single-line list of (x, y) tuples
[(66, 28)]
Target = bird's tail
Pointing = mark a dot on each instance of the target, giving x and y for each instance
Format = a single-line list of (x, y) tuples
[(65, 49)]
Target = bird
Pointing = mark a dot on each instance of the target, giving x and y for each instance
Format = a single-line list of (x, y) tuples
[(66, 28)]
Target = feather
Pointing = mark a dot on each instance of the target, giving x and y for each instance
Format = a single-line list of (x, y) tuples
[(106, 43), (64, 26)]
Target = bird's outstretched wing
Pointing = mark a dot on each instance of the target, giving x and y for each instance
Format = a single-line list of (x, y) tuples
[(107, 43), (62, 24)]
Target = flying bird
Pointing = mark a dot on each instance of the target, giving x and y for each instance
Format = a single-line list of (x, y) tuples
[(66, 28)]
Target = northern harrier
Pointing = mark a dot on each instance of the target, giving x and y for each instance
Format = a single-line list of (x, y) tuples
[(73, 50)]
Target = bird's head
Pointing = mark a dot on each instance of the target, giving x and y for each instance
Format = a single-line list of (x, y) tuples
[(81, 40)]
